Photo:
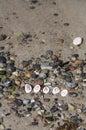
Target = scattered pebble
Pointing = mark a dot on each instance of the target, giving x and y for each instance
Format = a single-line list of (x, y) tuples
[(77, 41)]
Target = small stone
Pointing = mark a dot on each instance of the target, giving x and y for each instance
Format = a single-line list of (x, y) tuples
[(3, 37), (64, 92), (28, 88), (34, 1), (36, 88), (77, 41), (17, 82), (46, 90), (66, 24), (60, 41), (71, 107), (2, 127)]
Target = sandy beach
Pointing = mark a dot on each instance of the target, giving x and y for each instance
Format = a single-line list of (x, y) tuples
[(46, 21)]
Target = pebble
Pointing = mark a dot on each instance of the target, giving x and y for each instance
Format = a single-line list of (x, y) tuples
[(3, 37), (46, 86), (28, 88), (77, 41)]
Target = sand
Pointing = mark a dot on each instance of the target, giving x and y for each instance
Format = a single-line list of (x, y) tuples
[(46, 25)]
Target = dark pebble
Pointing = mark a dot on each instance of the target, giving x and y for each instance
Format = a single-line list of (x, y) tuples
[(0, 105), (76, 119), (66, 24), (53, 109), (62, 107), (2, 48), (46, 99), (73, 94), (6, 82), (2, 59), (55, 14), (25, 63), (2, 72), (34, 1), (18, 103), (36, 66), (7, 114), (3, 37)]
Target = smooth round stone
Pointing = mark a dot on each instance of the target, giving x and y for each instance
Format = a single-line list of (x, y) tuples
[(42, 75), (26, 101), (77, 41), (28, 88), (45, 90), (64, 92), (55, 90), (36, 88)]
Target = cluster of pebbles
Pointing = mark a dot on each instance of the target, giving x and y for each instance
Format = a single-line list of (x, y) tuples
[(53, 89)]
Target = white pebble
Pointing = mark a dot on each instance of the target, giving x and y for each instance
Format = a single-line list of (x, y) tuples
[(77, 41)]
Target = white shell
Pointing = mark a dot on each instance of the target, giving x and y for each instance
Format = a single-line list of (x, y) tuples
[(64, 92), (77, 41), (36, 88), (28, 88), (55, 90), (45, 90)]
